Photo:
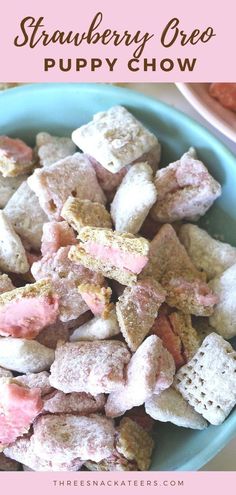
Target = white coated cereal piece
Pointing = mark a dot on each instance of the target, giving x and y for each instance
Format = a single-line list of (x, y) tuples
[(223, 319), (12, 252), (36, 380), (7, 464), (65, 276), (115, 138), (5, 284), (50, 148), (92, 367), (8, 186), (97, 329), (72, 176), (26, 215), (65, 437), (143, 372), (170, 406), (208, 381), (22, 451), (134, 198), (185, 190), (5, 373), (75, 402), (24, 356), (207, 254)]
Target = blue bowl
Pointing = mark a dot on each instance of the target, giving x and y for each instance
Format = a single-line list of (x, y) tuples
[(60, 108)]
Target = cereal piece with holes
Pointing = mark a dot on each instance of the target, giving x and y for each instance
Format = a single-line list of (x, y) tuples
[(81, 213), (16, 157), (208, 381), (50, 148), (92, 367), (115, 138), (72, 176), (137, 309), (185, 190)]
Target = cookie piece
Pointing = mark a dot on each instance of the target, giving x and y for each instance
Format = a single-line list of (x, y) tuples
[(72, 176), (223, 318), (137, 309), (134, 443), (25, 356), (116, 255), (114, 138), (209, 255), (208, 381), (185, 190), (170, 406), (26, 215), (12, 252), (92, 367), (81, 213), (26, 310), (65, 276), (16, 157)]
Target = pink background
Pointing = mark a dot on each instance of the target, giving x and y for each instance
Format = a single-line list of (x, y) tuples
[(194, 483), (215, 59)]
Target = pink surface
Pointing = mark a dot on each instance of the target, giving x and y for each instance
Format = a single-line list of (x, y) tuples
[(132, 483), (120, 259), (214, 58)]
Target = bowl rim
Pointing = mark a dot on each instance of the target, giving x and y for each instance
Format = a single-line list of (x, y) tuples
[(221, 440)]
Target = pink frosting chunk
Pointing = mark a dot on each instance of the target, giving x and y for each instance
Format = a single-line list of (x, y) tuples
[(19, 406), (120, 259), (25, 317)]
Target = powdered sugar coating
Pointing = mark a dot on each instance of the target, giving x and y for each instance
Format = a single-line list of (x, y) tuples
[(128, 215), (65, 277), (75, 402), (185, 190), (65, 437), (36, 380), (142, 373), (50, 148), (67, 177), (92, 367), (56, 235), (224, 317), (24, 356)]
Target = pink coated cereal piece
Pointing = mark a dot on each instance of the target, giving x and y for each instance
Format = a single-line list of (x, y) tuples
[(71, 176), (185, 190), (66, 436), (36, 380), (93, 367), (56, 235), (19, 406), (15, 156), (75, 402), (144, 372), (23, 451), (65, 276)]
